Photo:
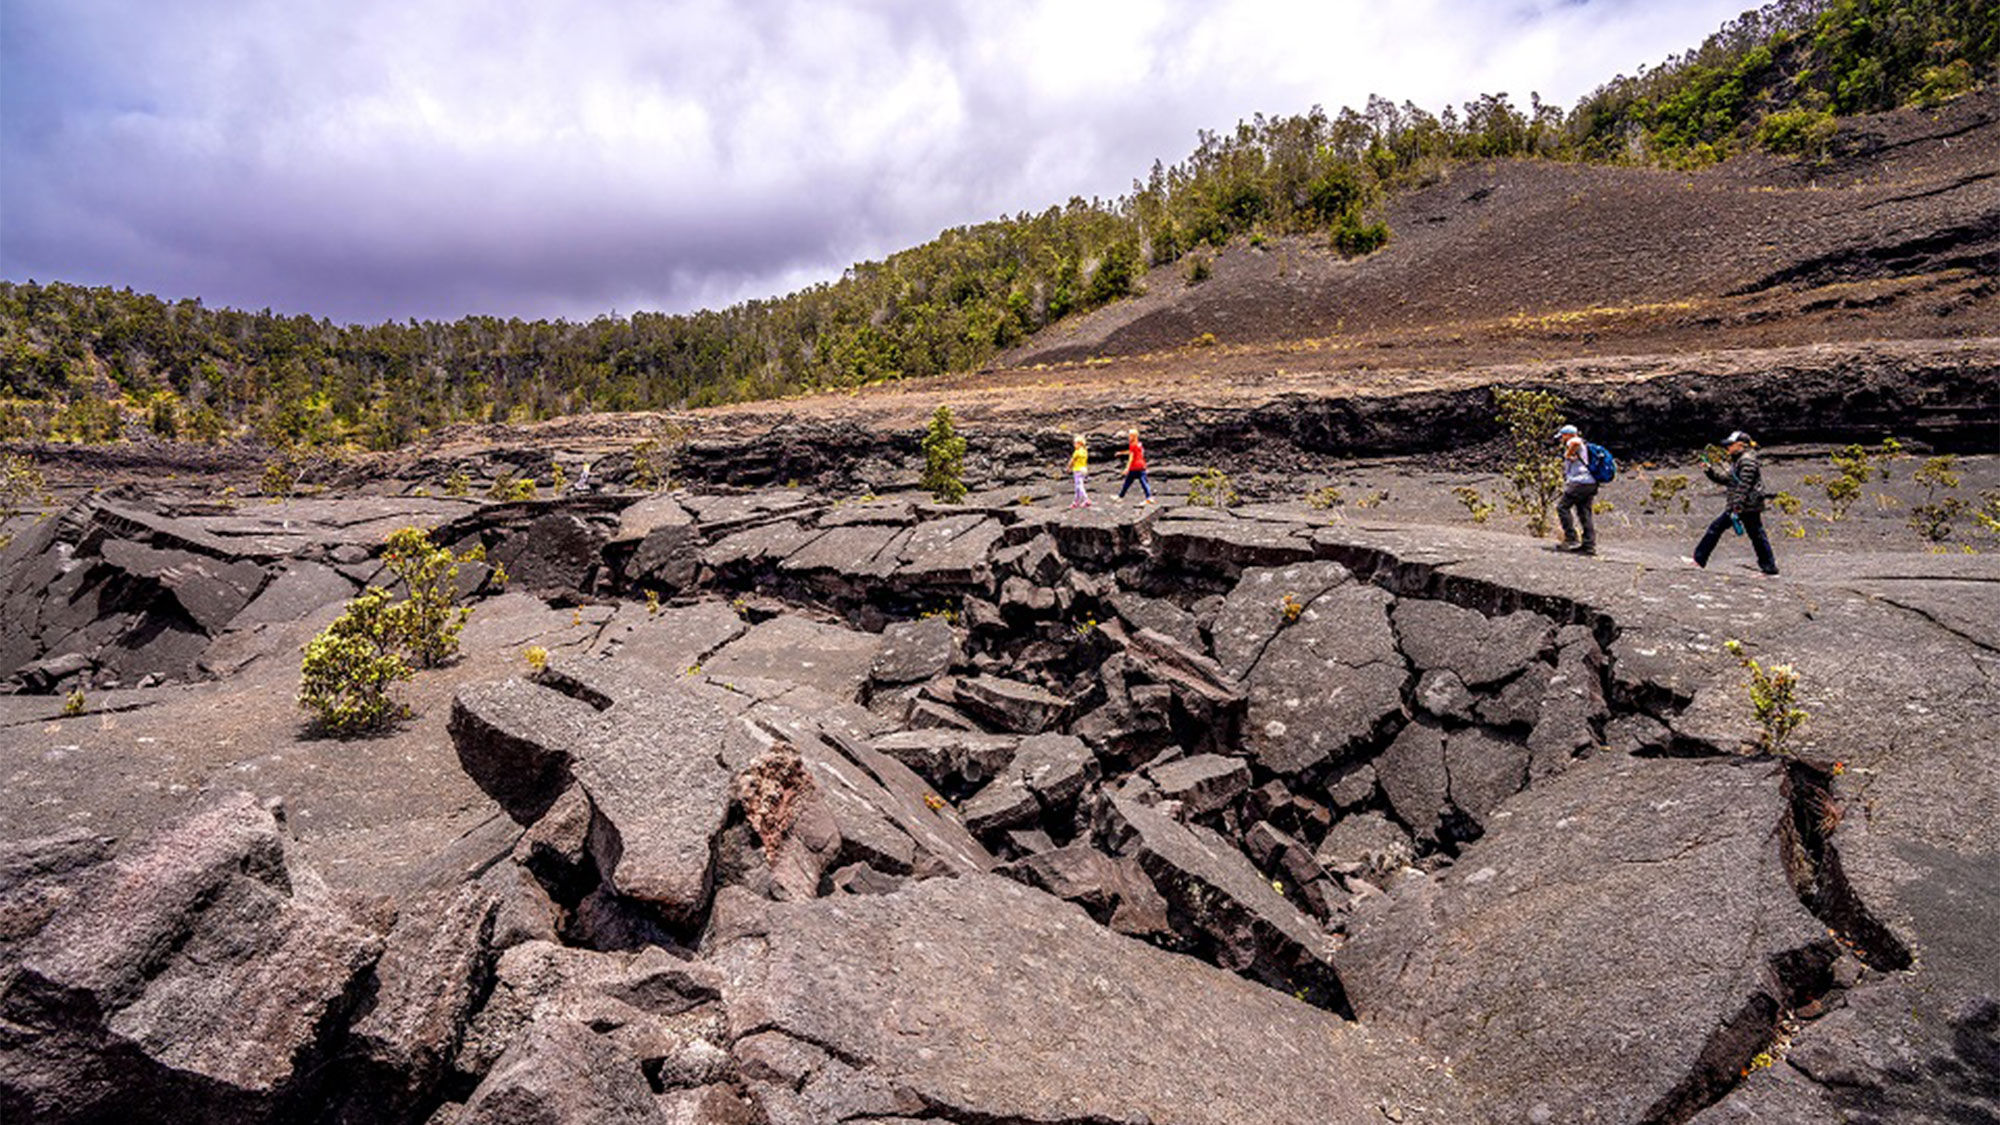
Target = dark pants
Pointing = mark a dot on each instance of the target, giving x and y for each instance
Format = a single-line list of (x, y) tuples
[(1753, 526), (1578, 498), (1145, 485)]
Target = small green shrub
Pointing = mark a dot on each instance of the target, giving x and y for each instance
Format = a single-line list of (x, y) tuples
[(206, 426), (1854, 466), (558, 478), (1666, 491), (21, 483), (430, 618), (1933, 518), (654, 459), (508, 487), (349, 669), (1211, 488), (165, 416), (1987, 515), (1354, 238), (1475, 505), (1199, 269), (1940, 84), (944, 459), (1773, 700), (458, 484), (1324, 498), (1797, 132), (281, 476), (73, 703)]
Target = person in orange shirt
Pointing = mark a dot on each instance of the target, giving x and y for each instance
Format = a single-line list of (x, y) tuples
[(1135, 468)]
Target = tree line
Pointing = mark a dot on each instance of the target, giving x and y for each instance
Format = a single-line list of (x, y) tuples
[(94, 364)]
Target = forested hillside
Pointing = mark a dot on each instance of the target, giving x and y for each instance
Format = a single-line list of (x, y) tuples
[(82, 364)]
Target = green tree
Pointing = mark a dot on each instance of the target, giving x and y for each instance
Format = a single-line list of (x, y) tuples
[(1532, 471), (944, 459)]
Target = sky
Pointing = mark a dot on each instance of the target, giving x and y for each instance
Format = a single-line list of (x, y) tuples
[(434, 159)]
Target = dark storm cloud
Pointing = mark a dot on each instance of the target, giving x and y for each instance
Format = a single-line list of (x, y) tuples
[(381, 161)]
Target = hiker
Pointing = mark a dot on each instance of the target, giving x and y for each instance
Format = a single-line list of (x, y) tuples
[(1579, 493), (1079, 465), (1746, 503), (1135, 467)]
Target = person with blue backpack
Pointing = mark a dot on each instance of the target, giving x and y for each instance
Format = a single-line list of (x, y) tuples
[(1585, 467), (1745, 513)]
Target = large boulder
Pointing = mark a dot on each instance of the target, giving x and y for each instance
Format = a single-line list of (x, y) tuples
[(833, 659), (646, 753), (558, 551), (516, 740), (434, 970), (1202, 784), (1329, 685), (952, 760), (1046, 773), (1616, 948), (886, 816), (1010, 705), (1257, 608), (1223, 905), (978, 999), (667, 559), (571, 1035), (1481, 651), (196, 977), (914, 651)]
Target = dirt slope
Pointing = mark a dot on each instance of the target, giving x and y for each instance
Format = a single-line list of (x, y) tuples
[(1896, 236)]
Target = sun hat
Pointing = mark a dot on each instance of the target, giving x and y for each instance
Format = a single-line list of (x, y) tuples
[(1736, 436), (1568, 431)]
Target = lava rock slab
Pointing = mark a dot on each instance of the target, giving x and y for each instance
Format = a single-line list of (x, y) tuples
[(980, 999), (1622, 940)]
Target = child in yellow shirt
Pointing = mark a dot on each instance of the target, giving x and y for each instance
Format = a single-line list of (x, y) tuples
[(1079, 466)]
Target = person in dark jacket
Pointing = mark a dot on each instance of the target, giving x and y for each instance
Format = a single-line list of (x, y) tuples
[(1746, 504)]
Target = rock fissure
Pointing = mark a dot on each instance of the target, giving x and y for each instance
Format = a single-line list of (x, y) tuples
[(1438, 802)]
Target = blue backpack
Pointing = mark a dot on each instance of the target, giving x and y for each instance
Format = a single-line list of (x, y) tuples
[(1603, 466)]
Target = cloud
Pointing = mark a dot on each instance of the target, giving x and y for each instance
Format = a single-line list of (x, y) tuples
[(369, 161)]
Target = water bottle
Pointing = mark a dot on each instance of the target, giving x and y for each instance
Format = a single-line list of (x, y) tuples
[(1736, 522)]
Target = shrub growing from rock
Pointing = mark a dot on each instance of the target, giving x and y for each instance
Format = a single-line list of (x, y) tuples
[(349, 670), (1211, 488), (944, 459), (1773, 700)]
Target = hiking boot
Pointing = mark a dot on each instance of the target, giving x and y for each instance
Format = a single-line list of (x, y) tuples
[(1587, 549)]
